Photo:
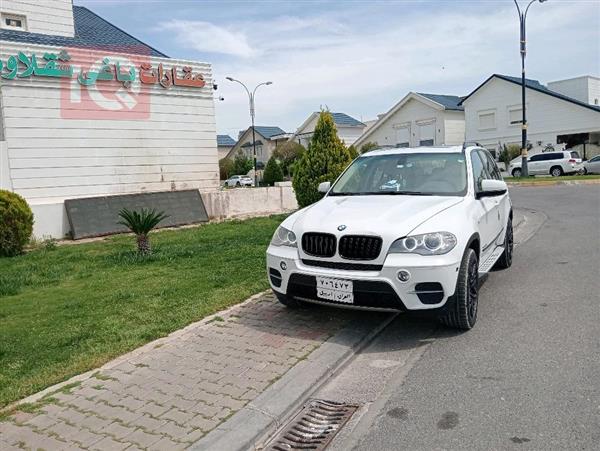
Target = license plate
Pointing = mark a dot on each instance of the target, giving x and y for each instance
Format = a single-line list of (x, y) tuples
[(337, 290)]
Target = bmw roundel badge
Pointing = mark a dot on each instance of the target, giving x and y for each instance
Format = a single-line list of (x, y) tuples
[(341, 227)]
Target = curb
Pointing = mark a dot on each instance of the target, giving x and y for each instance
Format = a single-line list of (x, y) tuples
[(554, 182), (256, 421)]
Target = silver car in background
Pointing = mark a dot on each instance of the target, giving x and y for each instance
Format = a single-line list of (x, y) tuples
[(549, 163), (239, 180), (592, 166)]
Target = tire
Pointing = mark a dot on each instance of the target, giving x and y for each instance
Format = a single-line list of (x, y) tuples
[(505, 259), (290, 302), (516, 172), (238, 184), (460, 311), (556, 171), (585, 171)]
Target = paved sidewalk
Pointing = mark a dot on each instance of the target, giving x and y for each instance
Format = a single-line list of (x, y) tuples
[(171, 392)]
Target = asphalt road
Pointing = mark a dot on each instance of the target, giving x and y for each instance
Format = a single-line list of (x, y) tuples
[(526, 377)]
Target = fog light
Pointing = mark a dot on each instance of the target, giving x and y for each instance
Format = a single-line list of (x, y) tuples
[(403, 276), (283, 265)]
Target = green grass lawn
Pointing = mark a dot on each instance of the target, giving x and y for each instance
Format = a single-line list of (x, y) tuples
[(70, 309), (532, 179)]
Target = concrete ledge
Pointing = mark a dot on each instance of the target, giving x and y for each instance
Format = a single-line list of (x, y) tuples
[(260, 418), (244, 202), (555, 182)]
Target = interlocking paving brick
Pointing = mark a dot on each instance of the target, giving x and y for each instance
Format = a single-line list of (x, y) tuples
[(167, 397)]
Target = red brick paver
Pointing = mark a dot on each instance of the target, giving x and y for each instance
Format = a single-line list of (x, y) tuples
[(169, 393)]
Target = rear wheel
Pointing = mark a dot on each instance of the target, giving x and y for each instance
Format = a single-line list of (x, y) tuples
[(556, 171), (238, 184), (516, 172), (460, 311), (505, 259)]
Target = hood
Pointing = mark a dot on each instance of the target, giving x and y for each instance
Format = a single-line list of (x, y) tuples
[(388, 216)]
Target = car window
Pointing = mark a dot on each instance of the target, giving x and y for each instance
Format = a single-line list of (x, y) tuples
[(554, 156), (575, 155), (596, 158), (538, 157), (479, 172), (490, 165)]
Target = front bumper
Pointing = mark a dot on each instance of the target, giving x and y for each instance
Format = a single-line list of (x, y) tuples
[(375, 288)]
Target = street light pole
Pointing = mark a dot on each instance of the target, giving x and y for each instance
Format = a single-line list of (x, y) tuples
[(251, 96), (522, 18)]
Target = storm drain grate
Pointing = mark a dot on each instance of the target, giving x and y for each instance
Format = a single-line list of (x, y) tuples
[(313, 427)]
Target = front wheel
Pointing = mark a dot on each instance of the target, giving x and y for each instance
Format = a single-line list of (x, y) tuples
[(460, 311), (505, 259), (516, 172)]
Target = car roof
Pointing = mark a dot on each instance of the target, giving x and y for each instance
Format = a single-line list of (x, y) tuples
[(424, 149)]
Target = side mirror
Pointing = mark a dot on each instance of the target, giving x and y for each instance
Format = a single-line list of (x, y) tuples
[(490, 188), (324, 187)]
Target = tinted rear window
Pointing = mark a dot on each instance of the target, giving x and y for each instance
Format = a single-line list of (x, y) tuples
[(575, 155)]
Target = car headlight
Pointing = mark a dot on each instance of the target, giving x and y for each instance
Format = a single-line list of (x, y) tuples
[(437, 243), (284, 237)]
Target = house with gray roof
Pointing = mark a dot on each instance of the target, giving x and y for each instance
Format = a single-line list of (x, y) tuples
[(267, 137), (224, 145), (419, 119), (563, 114), (348, 128)]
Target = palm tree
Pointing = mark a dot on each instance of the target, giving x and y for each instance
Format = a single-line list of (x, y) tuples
[(141, 223)]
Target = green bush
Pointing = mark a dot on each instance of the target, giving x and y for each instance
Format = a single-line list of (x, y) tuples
[(287, 154), (324, 161), (273, 172), (353, 152), (241, 164), (509, 153), (16, 223), (368, 146), (225, 168)]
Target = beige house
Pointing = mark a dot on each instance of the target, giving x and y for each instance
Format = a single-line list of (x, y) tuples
[(267, 140), (224, 145), (419, 120), (348, 128)]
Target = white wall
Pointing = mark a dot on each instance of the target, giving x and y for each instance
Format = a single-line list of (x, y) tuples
[(53, 158), (585, 89), (547, 116), (412, 113), (53, 17)]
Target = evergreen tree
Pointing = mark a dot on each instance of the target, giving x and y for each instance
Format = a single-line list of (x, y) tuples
[(241, 164), (325, 159), (273, 172)]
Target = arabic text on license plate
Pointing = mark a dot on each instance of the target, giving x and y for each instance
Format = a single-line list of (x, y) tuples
[(337, 290)]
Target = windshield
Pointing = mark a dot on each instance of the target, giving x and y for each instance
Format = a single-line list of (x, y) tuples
[(424, 174)]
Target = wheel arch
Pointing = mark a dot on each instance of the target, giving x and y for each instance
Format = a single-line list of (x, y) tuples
[(475, 243)]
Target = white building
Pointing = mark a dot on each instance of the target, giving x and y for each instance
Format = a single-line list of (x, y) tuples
[(267, 139), (419, 120), (493, 114), (88, 110), (348, 128)]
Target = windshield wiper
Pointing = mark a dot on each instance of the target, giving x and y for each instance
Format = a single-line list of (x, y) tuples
[(348, 194), (404, 193)]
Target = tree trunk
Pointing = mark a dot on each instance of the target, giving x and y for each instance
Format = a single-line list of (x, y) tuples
[(143, 244)]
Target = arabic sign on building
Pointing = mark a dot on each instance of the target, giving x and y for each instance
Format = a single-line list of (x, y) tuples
[(58, 66)]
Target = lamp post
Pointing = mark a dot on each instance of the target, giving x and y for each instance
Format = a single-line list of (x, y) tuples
[(522, 18), (251, 96)]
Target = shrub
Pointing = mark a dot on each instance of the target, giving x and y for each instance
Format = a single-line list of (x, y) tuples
[(353, 152), (287, 154), (368, 146), (273, 172), (324, 161), (241, 164), (509, 153), (225, 168), (16, 223), (141, 223)]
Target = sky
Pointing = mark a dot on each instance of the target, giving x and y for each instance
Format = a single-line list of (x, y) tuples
[(357, 57)]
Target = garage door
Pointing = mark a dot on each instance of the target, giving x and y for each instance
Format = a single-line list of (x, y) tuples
[(403, 137), (427, 134)]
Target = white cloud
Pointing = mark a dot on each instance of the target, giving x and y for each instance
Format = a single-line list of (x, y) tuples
[(208, 38), (364, 68)]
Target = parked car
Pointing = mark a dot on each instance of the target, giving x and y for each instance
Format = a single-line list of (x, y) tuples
[(552, 163), (592, 166), (400, 229), (239, 180)]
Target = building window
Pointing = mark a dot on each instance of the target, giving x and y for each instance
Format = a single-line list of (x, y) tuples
[(402, 135), (515, 116), (426, 133), (487, 120), (13, 22), (426, 142), (404, 144)]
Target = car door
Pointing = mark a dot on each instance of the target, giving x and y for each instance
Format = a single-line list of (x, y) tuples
[(487, 207), (500, 202), (593, 165), (535, 164)]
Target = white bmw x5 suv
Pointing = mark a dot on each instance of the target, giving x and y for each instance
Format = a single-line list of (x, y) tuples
[(400, 229)]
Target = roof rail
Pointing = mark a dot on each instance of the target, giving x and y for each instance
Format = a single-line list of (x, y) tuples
[(470, 143)]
